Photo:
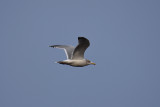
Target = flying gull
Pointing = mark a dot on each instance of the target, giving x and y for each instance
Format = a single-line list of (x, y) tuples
[(75, 55)]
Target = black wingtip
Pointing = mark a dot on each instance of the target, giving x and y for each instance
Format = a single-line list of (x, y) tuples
[(82, 38)]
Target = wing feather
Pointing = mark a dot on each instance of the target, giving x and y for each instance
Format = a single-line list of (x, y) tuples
[(68, 49), (80, 48)]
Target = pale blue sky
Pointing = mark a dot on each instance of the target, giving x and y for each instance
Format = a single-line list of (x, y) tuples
[(125, 45)]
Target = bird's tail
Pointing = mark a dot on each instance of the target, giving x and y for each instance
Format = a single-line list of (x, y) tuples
[(61, 62)]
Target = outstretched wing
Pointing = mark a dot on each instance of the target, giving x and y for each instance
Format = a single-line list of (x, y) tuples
[(80, 49), (68, 49)]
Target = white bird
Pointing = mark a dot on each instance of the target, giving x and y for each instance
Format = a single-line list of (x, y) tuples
[(75, 56)]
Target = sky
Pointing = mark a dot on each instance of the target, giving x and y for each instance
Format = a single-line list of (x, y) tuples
[(124, 43)]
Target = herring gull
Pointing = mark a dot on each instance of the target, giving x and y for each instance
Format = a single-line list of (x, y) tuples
[(75, 55)]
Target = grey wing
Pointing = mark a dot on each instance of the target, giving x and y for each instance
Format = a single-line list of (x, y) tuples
[(80, 49), (68, 49)]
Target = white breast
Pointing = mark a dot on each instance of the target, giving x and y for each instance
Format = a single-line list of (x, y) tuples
[(77, 62)]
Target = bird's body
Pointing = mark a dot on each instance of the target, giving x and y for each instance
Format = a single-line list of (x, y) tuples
[(76, 63), (75, 56)]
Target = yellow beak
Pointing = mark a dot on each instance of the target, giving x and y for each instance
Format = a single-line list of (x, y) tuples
[(93, 63)]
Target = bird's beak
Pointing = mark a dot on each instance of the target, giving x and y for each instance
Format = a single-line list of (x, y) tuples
[(93, 63)]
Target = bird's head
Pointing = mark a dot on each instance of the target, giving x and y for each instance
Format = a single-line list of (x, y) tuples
[(90, 63)]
